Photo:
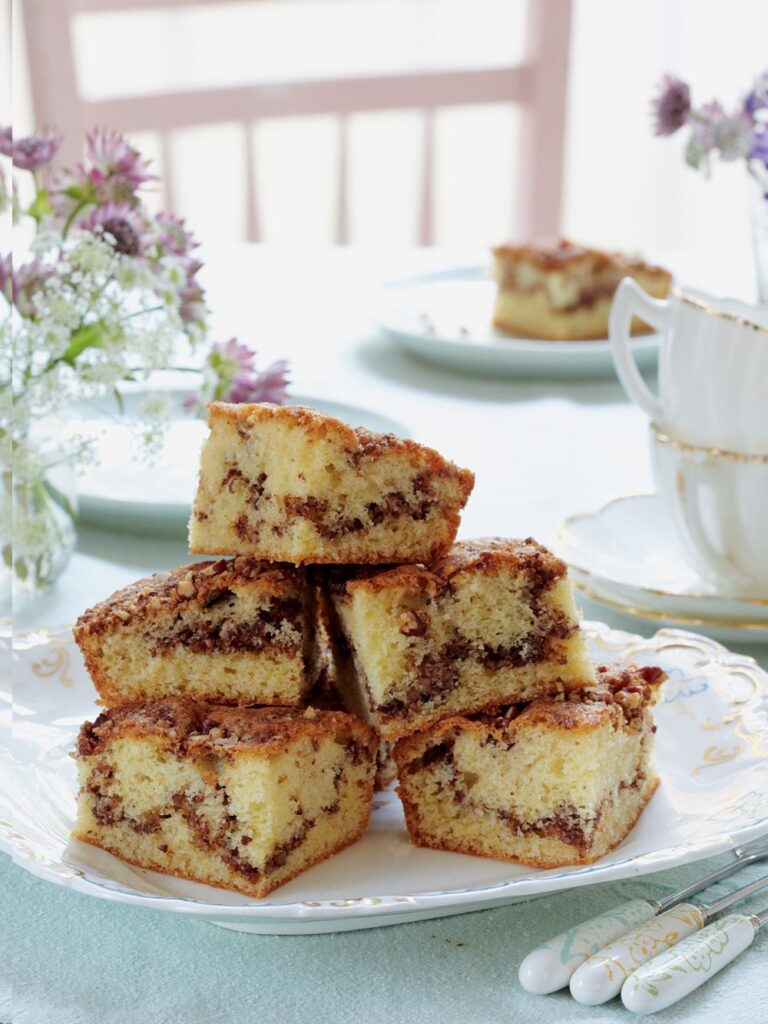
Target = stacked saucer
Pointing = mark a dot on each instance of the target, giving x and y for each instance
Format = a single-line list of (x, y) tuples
[(626, 556), (696, 553)]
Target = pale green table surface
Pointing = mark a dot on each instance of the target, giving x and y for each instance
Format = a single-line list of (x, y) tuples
[(78, 960), (541, 450)]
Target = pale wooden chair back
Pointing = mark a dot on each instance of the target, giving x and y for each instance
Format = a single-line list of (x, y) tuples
[(538, 86)]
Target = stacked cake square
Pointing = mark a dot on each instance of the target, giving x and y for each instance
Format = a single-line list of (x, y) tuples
[(252, 699)]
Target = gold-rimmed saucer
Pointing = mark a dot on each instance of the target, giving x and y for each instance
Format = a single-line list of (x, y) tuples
[(625, 556)]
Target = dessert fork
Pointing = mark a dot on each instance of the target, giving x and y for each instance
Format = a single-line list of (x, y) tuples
[(550, 966), (686, 966), (602, 976)]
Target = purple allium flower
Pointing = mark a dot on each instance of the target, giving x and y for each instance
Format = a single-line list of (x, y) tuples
[(123, 227), (112, 171), (175, 238), (672, 106), (112, 159), (62, 182), (232, 377), (27, 280), (191, 296), (234, 356), (758, 97), (31, 153), (269, 386), (759, 148), (272, 384)]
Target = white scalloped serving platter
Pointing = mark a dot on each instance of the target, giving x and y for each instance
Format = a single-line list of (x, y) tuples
[(712, 748)]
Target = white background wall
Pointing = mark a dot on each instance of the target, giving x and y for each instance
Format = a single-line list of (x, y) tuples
[(623, 187)]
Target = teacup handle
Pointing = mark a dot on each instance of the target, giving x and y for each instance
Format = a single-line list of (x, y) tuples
[(630, 301)]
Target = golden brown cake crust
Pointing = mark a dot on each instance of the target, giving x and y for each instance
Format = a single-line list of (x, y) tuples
[(361, 443), (186, 722), (620, 695), (496, 554), (562, 253), (199, 581), (486, 555)]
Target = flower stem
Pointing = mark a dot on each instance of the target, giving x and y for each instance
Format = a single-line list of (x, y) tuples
[(141, 312), (70, 219)]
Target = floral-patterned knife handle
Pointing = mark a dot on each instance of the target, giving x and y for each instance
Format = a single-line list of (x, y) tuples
[(601, 976), (672, 975), (549, 967)]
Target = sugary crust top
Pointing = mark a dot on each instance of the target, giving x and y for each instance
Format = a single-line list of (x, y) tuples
[(360, 444), (198, 581), (187, 724), (496, 554), (561, 253), (486, 556), (626, 690), (619, 698)]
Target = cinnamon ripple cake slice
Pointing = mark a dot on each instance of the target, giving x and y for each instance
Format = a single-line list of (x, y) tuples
[(493, 622), (558, 781), (563, 291), (239, 798), (290, 484), (236, 631)]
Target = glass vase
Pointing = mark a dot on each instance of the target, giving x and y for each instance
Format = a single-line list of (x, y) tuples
[(37, 527), (760, 241)]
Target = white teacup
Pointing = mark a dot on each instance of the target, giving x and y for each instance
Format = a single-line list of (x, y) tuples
[(713, 366), (717, 503)]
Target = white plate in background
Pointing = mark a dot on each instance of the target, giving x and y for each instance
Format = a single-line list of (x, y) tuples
[(445, 317)]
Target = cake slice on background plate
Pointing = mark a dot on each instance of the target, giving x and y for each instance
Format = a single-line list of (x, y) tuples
[(558, 781), (235, 631), (562, 291), (285, 483), (239, 798), (493, 622)]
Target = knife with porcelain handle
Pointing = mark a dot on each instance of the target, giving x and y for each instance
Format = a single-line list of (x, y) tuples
[(550, 966), (683, 968), (602, 976)]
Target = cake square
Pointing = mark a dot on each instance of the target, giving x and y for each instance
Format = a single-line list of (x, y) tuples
[(233, 631), (326, 693), (493, 622), (563, 291), (559, 781), (291, 484), (239, 798)]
